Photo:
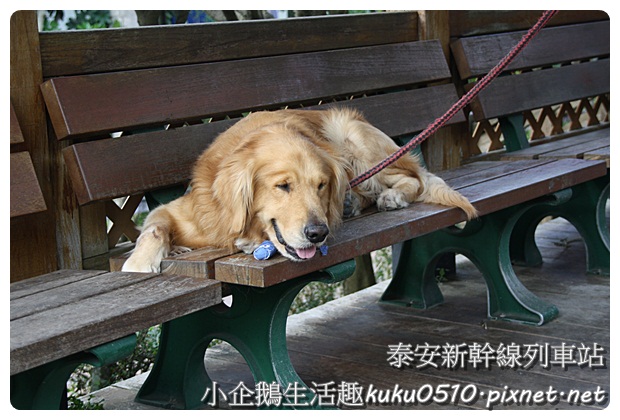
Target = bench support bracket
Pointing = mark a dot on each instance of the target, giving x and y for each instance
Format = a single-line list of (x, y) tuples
[(255, 325), (414, 283), (585, 211), (45, 387)]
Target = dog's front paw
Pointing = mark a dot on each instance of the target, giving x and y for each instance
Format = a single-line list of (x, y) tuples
[(152, 247), (391, 199), (246, 245), (352, 206), (136, 265)]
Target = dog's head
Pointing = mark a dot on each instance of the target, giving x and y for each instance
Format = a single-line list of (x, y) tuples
[(282, 185)]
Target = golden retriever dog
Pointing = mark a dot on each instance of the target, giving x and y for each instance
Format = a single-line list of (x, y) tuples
[(284, 176)]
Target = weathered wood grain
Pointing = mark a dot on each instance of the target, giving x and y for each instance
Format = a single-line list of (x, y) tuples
[(123, 166), (108, 314), (98, 51), (574, 146), (16, 135), (26, 196), (106, 102), (478, 22), (476, 56), (509, 95)]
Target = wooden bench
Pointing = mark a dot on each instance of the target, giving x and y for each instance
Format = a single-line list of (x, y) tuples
[(553, 104), (104, 309), (170, 107), (70, 317)]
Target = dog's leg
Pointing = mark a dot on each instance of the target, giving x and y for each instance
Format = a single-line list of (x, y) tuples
[(246, 245), (354, 203), (403, 191), (152, 245)]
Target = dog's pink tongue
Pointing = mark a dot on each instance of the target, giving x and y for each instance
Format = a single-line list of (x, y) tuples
[(306, 253)]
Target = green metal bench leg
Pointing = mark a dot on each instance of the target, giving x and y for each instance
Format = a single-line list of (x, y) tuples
[(45, 387), (585, 211), (414, 282), (255, 325)]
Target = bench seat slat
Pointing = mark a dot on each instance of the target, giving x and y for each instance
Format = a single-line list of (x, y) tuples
[(40, 338), (109, 102), (574, 146), (123, 166), (365, 234), (49, 281), (73, 292), (599, 154)]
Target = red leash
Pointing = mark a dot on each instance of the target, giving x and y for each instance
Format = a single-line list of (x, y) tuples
[(460, 104)]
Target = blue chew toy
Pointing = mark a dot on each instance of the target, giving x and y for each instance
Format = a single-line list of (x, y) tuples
[(267, 250)]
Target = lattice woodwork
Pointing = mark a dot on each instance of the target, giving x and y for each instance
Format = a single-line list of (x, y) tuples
[(545, 122), (121, 225)]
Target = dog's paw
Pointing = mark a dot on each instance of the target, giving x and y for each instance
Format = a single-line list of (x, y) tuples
[(391, 199), (246, 245), (352, 206), (134, 265), (178, 250), (151, 248)]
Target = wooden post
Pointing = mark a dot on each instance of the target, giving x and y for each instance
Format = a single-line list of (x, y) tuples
[(445, 149), (33, 237)]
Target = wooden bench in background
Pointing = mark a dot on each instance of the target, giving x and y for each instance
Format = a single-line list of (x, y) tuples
[(539, 105), (170, 104)]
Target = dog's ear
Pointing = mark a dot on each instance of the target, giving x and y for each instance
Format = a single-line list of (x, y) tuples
[(233, 188), (339, 183)]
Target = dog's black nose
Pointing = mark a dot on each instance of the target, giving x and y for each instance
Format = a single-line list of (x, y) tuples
[(316, 233)]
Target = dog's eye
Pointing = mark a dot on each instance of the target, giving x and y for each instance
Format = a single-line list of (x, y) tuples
[(284, 187), (322, 185)]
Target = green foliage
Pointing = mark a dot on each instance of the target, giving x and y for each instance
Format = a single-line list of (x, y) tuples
[(315, 294), (87, 379), (84, 19), (92, 19), (76, 403), (382, 264)]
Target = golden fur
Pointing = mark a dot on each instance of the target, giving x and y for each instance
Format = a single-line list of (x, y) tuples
[(283, 176)]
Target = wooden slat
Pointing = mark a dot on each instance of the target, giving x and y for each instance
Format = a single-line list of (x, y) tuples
[(476, 56), (576, 151), (575, 146), (16, 136), (111, 168), (508, 95), (379, 230), (49, 281), (477, 22), (73, 292), (26, 195), (104, 103), (40, 338), (599, 154), (95, 51)]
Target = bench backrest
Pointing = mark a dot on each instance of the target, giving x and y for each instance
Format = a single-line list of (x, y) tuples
[(170, 112), (565, 71)]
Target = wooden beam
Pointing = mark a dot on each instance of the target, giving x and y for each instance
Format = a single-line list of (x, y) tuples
[(33, 237)]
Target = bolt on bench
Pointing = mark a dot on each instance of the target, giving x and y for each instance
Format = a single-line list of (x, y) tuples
[(168, 113)]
